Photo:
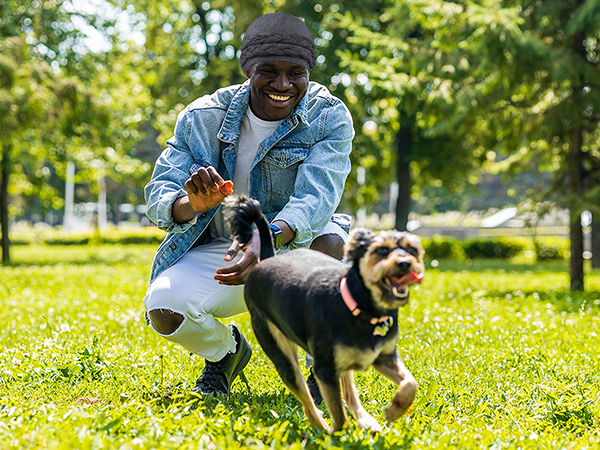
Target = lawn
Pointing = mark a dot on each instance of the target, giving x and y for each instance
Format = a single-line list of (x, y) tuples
[(505, 356)]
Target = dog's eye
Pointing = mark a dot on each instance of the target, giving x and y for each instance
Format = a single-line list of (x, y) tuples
[(383, 251), (413, 251)]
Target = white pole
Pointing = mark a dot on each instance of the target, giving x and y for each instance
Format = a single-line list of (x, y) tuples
[(101, 197), (69, 196), (394, 190), (361, 177)]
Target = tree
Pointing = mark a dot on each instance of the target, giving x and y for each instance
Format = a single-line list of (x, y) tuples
[(416, 62), (550, 114), (61, 104), (462, 73), (26, 94)]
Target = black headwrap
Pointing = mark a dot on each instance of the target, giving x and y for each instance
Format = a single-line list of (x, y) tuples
[(278, 37)]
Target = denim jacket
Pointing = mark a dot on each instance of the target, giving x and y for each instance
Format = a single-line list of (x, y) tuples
[(298, 174)]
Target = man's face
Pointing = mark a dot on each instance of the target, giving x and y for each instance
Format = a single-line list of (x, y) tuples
[(276, 87)]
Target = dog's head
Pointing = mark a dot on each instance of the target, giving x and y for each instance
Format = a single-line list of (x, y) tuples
[(388, 262)]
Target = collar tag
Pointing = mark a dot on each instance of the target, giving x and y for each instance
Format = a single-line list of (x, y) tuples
[(382, 330)]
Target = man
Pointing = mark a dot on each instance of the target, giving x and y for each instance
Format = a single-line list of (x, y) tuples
[(284, 141)]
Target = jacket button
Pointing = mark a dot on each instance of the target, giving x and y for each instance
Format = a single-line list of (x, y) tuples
[(203, 215), (173, 246)]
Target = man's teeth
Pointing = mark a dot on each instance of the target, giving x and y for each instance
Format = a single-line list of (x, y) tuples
[(280, 98)]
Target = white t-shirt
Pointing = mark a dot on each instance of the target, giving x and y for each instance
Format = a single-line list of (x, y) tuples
[(252, 133)]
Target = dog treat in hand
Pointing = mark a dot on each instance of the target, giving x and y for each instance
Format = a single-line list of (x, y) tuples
[(227, 187)]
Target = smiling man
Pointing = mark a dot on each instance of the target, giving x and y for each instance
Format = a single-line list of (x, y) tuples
[(281, 139)]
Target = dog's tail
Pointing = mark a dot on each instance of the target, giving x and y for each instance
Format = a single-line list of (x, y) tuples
[(241, 213)]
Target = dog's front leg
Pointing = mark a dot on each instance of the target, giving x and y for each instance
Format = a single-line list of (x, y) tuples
[(363, 418), (392, 367), (329, 384)]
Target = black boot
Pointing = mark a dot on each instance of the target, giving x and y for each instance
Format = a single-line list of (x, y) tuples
[(217, 377), (313, 387)]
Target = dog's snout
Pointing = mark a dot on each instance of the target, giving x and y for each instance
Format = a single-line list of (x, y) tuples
[(404, 266)]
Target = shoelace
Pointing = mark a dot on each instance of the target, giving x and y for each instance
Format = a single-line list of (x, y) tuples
[(212, 372)]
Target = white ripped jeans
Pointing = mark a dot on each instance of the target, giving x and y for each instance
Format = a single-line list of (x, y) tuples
[(189, 289)]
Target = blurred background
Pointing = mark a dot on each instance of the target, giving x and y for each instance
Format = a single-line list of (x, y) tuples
[(473, 118)]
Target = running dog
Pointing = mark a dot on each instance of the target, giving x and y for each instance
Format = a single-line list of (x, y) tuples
[(346, 318)]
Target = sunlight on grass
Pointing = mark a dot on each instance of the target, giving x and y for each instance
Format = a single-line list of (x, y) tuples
[(505, 356)]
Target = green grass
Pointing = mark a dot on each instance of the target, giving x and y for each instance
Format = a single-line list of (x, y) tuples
[(506, 358)]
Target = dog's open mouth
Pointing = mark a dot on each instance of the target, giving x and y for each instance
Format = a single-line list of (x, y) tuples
[(399, 285)]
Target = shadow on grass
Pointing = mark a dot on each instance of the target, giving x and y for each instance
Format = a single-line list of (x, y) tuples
[(285, 403), (274, 410)]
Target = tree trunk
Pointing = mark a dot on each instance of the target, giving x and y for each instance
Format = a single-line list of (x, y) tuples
[(405, 141), (575, 228), (4, 203), (595, 241)]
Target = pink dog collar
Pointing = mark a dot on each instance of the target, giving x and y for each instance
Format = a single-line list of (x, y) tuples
[(383, 323)]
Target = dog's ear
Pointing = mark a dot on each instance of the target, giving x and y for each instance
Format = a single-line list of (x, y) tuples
[(360, 240)]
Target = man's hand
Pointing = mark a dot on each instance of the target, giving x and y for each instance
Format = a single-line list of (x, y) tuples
[(205, 190), (238, 272)]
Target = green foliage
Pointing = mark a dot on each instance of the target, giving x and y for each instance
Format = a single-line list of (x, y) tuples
[(504, 247), (443, 247), (501, 247), (61, 102), (547, 248), (505, 86), (80, 368), (122, 236)]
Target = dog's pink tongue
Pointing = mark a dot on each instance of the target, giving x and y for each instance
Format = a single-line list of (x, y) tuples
[(408, 279)]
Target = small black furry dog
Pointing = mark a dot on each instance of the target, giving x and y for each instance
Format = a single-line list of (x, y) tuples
[(346, 318)]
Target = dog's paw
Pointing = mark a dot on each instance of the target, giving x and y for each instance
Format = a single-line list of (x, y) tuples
[(367, 422), (403, 399), (317, 420)]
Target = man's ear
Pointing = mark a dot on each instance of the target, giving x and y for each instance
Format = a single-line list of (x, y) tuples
[(248, 71)]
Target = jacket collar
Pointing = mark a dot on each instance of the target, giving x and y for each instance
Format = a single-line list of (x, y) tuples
[(230, 130)]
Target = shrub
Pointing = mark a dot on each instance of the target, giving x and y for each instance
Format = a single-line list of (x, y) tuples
[(21, 241), (498, 247), (67, 239), (149, 235), (551, 247), (443, 247), (133, 236)]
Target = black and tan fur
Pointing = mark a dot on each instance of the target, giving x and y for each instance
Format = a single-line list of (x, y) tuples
[(294, 301)]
